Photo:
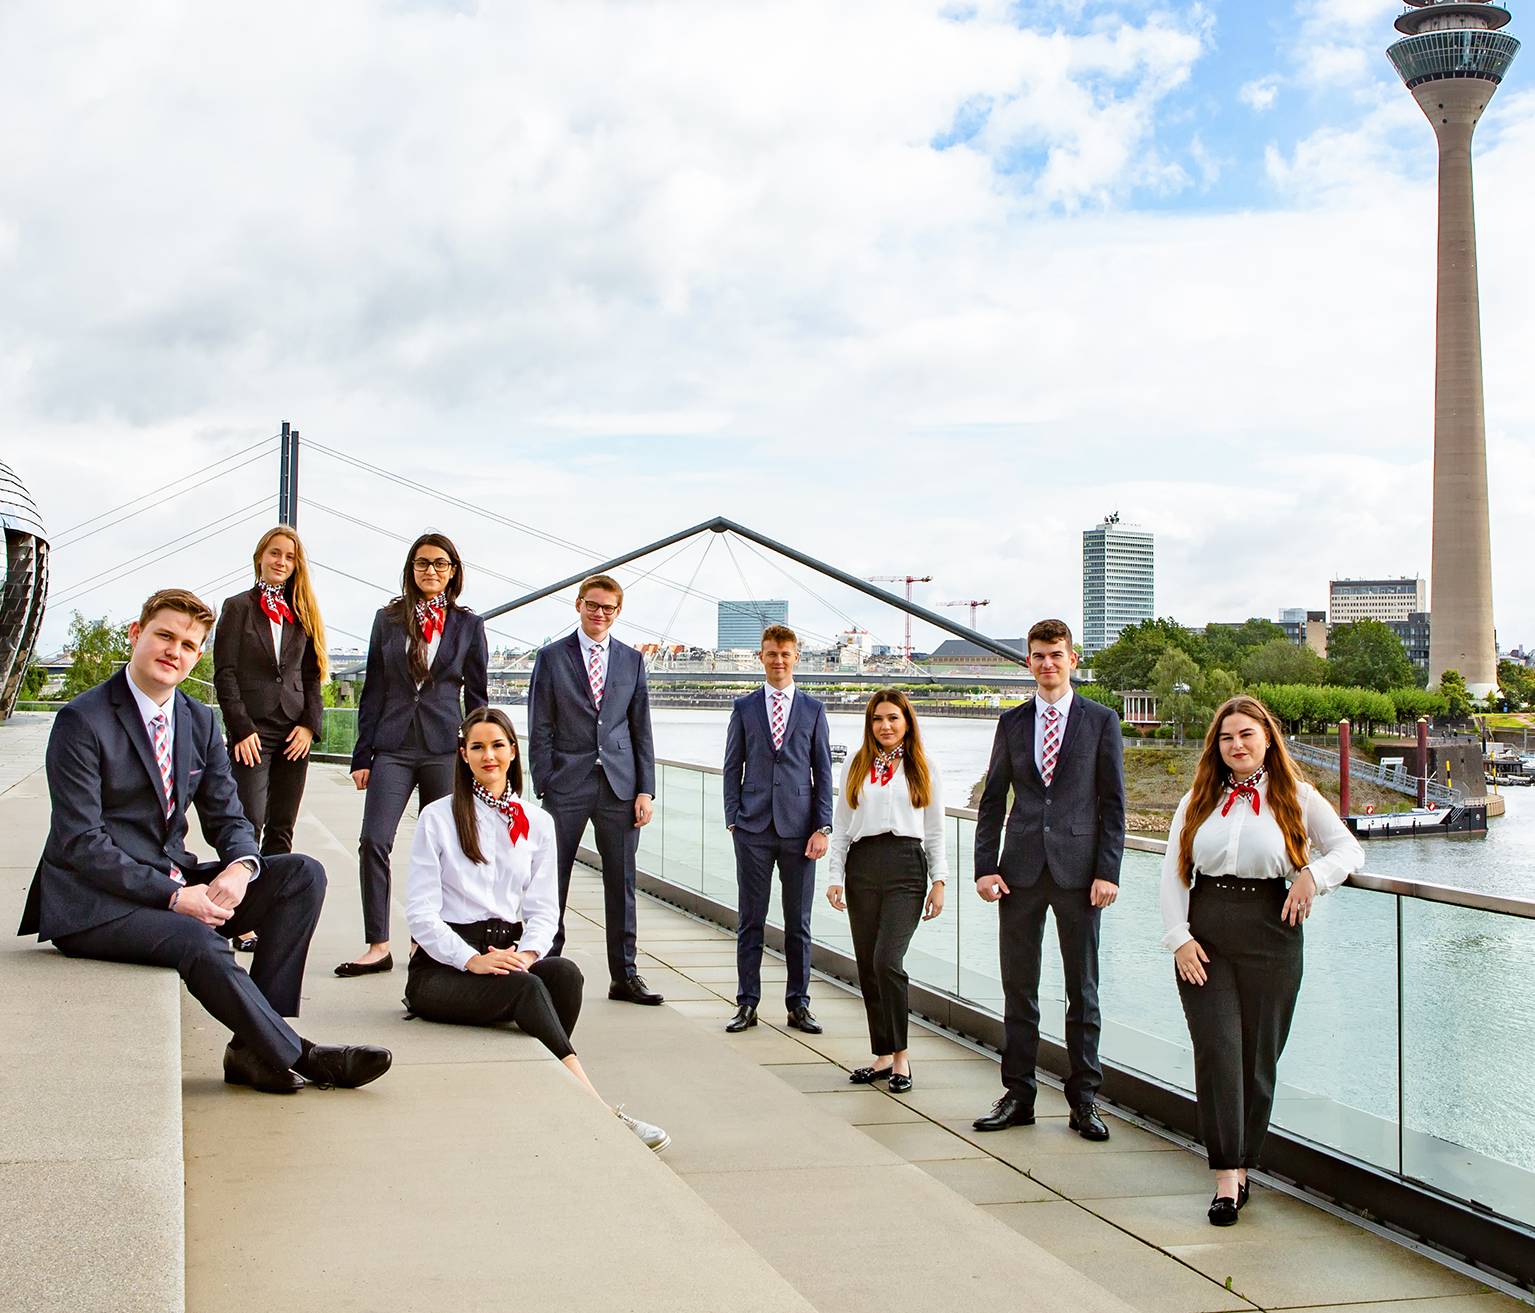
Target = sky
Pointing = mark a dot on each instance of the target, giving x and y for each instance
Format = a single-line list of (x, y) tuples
[(914, 287)]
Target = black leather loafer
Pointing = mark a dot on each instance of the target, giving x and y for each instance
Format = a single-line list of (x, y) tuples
[(634, 990), (344, 1067), (1223, 1211), (1086, 1122), (245, 943), (803, 1019), (385, 963), (899, 1084), (243, 1067), (868, 1075), (1009, 1110), (1241, 1196), (745, 1016)]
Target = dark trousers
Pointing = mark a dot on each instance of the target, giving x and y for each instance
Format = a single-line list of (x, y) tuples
[(392, 777), (271, 790), (282, 905), (1240, 1017), (1021, 928), (618, 841), (756, 855), (544, 1001), (886, 886)]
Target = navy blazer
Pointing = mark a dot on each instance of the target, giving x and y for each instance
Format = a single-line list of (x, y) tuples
[(456, 684), (787, 790), (110, 848), (568, 735), (1075, 827), (254, 687)]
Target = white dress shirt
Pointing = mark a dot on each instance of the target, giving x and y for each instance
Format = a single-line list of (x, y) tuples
[(1064, 707), (787, 694), (276, 639), (587, 644), (516, 882), (887, 809), (1252, 847)]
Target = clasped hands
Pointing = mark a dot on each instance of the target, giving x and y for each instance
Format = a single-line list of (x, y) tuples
[(215, 902), (500, 961)]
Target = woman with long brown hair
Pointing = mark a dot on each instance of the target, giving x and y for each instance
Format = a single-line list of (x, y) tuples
[(427, 660), (1252, 845), (888, 863)]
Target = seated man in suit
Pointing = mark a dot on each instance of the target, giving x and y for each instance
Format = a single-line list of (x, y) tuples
[(116, 881), (590, 747), (778, 807)]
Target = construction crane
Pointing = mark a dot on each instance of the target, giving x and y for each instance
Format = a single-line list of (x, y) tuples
[(974, 607), (908, 580)]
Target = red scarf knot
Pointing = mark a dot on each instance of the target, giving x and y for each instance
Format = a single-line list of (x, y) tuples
[(1248, 788), (883, 769), (275, 604), (431, 616), (508, 808)]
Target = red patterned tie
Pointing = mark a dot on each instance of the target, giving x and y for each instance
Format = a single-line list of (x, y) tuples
[(594, 674), (159, 729), (778, 719), (1052, 744)]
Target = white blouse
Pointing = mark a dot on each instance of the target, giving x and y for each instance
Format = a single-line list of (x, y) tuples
[(887, 809), (517, 882), (1252, 847)]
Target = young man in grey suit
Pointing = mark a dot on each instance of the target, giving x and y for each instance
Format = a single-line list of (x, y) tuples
[(593, 759), (1062, 757), (125, 762)]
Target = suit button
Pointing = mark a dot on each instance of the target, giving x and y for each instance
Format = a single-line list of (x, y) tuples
[(1047, 829), (278, 680)]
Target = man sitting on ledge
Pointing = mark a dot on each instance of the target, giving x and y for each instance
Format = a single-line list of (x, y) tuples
[(116, 881)]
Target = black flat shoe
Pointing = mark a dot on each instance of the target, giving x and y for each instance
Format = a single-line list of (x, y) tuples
[(344, 1067), (745, 1016), (245, 944), (634, 990), (1223, 1211), (899, 1084), (803, 1019), (868, 1075), (243, 1067), (385, 963), (1007, 1111), (1241, 1196)]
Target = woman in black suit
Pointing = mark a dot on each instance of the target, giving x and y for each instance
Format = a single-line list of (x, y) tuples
[(427, 661)]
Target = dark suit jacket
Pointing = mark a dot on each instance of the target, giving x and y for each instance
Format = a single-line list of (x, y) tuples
[(254, 687), (568, 735), (391, 700), (787, 790), (110, 848), (1076, 827)]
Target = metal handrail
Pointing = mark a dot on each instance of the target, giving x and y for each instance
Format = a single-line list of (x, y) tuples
[(1374, 773)]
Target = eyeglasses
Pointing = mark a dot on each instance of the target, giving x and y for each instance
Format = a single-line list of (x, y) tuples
[(442, 565), (599, 608)]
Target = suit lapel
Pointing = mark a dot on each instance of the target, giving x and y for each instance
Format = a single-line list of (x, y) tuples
[(181, 751), (452, 627), (138, 735), (1072, 721), (1026, 723), (794, 716), (578, 665), (292, 639)]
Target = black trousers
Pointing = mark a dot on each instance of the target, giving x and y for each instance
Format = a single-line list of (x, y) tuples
[(1021, 927), (756, 855), (271, 790), (282, 905), (1240, 1017), (618, 841), (393, 776), (886, 886)]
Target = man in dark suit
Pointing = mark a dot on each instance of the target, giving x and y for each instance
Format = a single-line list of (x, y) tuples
[(590, 748), (1061, 756), (117, 882), (778, 808)]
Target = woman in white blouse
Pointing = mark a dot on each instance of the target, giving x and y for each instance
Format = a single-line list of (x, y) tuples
[(888, 865), (482, 904), (1252, 845)]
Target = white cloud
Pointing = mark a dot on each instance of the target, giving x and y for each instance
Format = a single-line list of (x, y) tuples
[(1260, 94)]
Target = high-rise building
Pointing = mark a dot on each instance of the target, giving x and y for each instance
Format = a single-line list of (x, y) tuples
[(740, 624), (23, 586), (1305, 628), (1452, 58), (1118, 581), (1416, 633), (1387, 600)]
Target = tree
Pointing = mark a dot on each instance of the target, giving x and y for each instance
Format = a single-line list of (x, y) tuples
[(1128, 661), (199, 684), (1228, 645), (33, 681), (1096, 693), (97, 648), (1518, 684), (1172, 680), (1280, 661), (1367, 654), (1457, 698)]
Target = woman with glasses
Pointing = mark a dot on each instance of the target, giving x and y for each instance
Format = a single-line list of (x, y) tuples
[(427, 659)]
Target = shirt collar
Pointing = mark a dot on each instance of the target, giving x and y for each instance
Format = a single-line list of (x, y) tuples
[(588, 643), (1063, 705), (148, 709), (788, 690)]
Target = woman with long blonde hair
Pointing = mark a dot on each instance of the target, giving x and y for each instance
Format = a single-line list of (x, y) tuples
[(269, 670), (888, 863), (1252, 846)]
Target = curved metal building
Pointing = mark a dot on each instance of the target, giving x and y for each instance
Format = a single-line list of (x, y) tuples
[(24, 592)]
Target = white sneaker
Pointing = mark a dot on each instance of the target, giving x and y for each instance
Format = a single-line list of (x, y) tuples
[(654, 1138)]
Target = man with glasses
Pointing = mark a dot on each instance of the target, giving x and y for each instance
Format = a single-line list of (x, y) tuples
[(590, 749)]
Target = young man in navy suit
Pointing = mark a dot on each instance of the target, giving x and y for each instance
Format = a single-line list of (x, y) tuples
[(117, 882), (778, 808), (593, 759), (1062, 758)]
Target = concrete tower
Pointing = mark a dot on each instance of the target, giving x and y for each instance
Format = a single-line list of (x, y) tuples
[(1452, 58)]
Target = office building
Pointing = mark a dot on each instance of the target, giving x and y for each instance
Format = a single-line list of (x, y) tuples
[(740, 624), (1387, 600), (1415, 633), (1118, 581), (1305, 628)]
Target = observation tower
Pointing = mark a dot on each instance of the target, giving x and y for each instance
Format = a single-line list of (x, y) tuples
[(1452, 56)]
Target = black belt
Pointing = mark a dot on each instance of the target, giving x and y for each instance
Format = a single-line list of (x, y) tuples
[(1237, 884), (482, 936), (888, 837)]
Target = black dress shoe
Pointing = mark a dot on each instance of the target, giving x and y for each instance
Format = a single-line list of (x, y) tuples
[(1009, 1110), (385, 963), (634, 990), (868, 1075), (803, 1019), (1086, 1122), (1223, 1211), (745, 1016), (899, 1083), (346, 1067), (243, 1067)]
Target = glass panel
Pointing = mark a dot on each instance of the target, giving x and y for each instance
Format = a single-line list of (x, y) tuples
[(682, 855), (933, 958), (1469, 1054), (979, 976), (338, 731), (649, 857), (717, 847)]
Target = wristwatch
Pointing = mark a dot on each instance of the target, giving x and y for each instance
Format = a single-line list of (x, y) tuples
[(825, 829)]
